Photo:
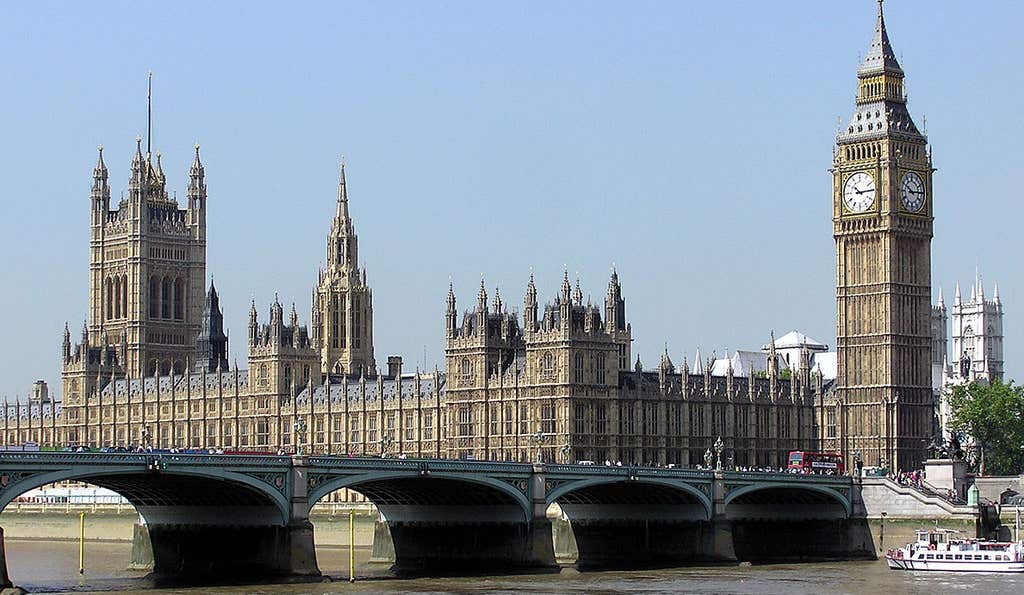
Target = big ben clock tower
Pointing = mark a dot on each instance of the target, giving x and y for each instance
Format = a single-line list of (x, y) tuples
[(882, 224)]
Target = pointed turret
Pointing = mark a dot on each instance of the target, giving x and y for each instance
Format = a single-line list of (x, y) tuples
[(956, 296), (341, 213), (577, 294), (197, 178), (66, 347), (566, 288), (880, 56), (481, 297), (254, 325), (136, 178), (496, 305), (100, 184), (995, 294), (530, 306), (450, 316), (941, 303), (698, 363)]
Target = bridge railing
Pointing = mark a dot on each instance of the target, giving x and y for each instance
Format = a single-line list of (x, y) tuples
[(794, 477), (379, 464), (626, 470), (142, 458)]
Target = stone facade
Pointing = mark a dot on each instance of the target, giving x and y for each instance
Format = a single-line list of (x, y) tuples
[(565, 375), (882, 224)]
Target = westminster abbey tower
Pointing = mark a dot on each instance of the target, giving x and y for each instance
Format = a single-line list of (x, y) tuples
[(882, 223)]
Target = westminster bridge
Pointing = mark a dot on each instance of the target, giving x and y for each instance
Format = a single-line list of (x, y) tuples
[(249, 515)]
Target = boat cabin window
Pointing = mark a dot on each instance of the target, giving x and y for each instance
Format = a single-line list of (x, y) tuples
[(987, 557), (929, 557), (959, 557), (949, 556)]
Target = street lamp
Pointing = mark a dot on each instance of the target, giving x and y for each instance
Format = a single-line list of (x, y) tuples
[(538, 439), (300, 432), (145, 436), (385, 445), (708, 458), (857, 462), (566, 450), (719, 446)]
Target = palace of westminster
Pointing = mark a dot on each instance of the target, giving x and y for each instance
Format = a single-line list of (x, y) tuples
[(151, 365)]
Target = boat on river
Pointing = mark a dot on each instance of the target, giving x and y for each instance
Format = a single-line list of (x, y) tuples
[(944, 550)]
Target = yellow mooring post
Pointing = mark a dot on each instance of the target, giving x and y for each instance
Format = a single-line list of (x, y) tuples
[(81, 543), (351, 546)]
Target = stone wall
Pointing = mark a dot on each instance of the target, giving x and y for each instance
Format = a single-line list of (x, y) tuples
[(882, 495)]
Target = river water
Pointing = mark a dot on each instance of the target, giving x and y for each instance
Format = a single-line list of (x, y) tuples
[(52, 567)]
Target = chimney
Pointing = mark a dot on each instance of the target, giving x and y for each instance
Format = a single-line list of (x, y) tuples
[(394, 366)]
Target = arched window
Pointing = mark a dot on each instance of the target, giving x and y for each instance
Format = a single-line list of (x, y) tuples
[(116, 297), (262, 376), (165, 298), (467, 367), (154, 297), (179, 299), (548, 363), (124, 296), (109, 298)]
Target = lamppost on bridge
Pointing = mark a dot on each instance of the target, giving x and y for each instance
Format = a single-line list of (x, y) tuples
[(145, 437), (538, 439), (719, 446), (708, 458), (858, 463), (300, 433), (566, 451), (385, 445)]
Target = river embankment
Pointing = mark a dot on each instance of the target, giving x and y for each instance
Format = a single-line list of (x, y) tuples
[(111, 525)]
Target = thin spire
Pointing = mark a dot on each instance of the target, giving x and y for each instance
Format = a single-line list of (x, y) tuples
[(149, 115), (941, 304), (880, 56), (956, 295), (342, 194)]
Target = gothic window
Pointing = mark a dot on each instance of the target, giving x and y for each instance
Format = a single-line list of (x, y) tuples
[(179, 299), (623, 364), (579, 417), (371, 427), (124, 296), (428, 425), (578, 368), (599, 364), (465, 420), (466, 368), (509, 420), (548, 364), (109, 289), (305, 375), (830, 426), (495, 419), (165, 298), (154, 298), (262, 375), (969, 341), (601, 419), (288, 377), (547, 418), (356, 323), (353, 430), (523, 420), (410, 426)]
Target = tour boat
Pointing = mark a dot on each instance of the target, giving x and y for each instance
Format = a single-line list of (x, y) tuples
[(940, 549)]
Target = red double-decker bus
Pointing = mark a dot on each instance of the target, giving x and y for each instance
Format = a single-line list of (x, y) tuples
[(816, 462)]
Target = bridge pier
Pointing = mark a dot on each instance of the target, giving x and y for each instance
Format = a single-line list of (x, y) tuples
[(474, 546), (224, 552), (5, 580)]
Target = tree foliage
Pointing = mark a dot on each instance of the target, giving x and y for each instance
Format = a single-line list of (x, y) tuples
[(992, 416)]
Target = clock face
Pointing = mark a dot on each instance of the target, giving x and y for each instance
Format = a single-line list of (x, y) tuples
[(859, 192), (912, 191)]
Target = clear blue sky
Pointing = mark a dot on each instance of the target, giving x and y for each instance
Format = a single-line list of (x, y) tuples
[(687, 142)]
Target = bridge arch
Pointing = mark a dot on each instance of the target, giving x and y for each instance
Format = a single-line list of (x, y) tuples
[(177, 486), (783, 493), (588, 485), (387, 489)]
